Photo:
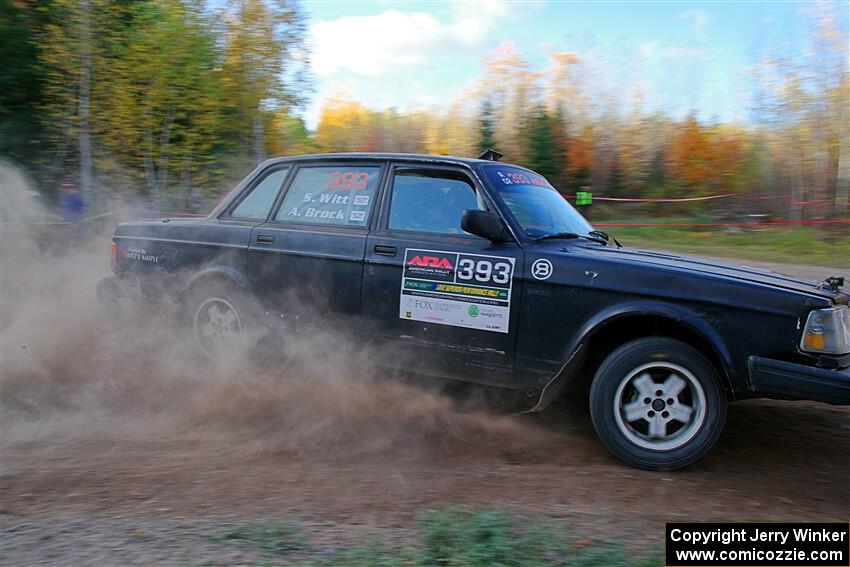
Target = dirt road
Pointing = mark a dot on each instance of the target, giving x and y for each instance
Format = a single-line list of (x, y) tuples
[(115, 450)]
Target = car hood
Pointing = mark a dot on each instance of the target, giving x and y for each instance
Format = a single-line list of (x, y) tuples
[(718, 269)]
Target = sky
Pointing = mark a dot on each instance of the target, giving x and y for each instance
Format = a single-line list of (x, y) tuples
[(683, 56)]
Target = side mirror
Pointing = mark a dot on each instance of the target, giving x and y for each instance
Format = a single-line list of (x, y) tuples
[(484, 224)]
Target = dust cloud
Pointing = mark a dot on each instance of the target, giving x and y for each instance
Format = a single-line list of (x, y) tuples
[(70, 375)]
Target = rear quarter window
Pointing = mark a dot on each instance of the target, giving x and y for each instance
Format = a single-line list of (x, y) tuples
[(258, 203)]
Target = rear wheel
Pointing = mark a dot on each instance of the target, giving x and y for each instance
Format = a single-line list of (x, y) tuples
[(657, 403), (221, 317)]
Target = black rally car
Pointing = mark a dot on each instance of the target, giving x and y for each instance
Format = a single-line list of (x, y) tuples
[(480, 271)]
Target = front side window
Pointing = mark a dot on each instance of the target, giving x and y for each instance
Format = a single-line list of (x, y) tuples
[(341, 195), (258, 202), (427, 201)]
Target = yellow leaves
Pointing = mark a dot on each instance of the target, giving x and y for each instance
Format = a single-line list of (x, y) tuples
[(345, 126), (253, 59), (166, 77), (348, 126), (560, 83), (287, 135), (436, 140)]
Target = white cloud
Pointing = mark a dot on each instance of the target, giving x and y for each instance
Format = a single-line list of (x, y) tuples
[(373, 45), (699, 21), (671, 51), (649, 49)]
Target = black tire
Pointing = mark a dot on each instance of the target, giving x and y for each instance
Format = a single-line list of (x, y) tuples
[(643, 431), (222, 319)]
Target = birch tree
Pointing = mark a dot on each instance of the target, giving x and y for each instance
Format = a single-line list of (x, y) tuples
[(263, 51)]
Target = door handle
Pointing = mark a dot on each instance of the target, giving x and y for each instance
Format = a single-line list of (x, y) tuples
[(265, 239), (385, 250)]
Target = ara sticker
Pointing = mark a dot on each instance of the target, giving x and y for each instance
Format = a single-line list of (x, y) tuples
[(457, 289)]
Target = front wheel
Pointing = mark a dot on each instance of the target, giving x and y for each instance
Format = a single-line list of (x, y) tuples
[(657, 403)]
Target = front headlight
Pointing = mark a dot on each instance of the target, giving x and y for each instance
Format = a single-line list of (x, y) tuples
[(827, 331)]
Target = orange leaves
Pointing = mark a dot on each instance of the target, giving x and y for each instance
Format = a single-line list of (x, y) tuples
[(688, 154), (704, 159), (580, 151)]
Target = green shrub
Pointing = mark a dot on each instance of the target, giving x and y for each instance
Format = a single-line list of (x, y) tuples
[(273, 537)]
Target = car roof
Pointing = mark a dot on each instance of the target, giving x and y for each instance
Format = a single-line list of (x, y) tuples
[(424, 158)]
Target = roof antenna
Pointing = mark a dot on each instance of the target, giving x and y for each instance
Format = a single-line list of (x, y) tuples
[(490, 154)]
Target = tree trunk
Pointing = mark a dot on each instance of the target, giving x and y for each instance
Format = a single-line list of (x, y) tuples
[(186, 190), (841, 208), (150, 170), (795, 210), (259, 145), (57, 164), (164, 139), (85, 91)]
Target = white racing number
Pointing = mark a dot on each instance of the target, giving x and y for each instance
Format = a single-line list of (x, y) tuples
[(483, 271)]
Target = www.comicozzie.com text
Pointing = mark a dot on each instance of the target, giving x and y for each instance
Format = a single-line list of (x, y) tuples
[(726, 536)]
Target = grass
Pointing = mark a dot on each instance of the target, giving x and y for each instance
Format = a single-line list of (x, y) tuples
[(449, 537), (276, 538), (791, 245)]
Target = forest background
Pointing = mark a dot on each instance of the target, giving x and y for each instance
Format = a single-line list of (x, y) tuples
[(169, 102)]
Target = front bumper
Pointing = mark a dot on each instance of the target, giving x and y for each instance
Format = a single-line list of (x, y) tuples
[(776, 378)]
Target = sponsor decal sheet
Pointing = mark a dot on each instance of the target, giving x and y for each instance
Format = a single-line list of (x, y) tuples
[(457, 289)]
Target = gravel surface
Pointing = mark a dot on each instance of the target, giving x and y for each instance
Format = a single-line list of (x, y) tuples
[(122, 457)]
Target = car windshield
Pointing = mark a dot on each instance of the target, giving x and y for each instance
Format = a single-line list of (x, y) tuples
[(535, 204)]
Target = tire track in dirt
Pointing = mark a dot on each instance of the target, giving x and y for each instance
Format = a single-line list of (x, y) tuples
[(100, 422)]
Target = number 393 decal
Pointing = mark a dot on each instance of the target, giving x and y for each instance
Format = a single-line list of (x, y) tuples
[(484, 270), (461, 290)]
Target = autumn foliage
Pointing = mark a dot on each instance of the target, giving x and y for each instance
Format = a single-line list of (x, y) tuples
[(181, 100)]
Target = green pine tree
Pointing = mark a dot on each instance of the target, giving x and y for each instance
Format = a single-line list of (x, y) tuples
[(542, 151), (486, 130)]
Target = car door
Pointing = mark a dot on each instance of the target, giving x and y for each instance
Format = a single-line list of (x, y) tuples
[(445, 302), (306, 261)]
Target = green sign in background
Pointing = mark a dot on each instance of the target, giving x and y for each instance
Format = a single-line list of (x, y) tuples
[(584, 198)]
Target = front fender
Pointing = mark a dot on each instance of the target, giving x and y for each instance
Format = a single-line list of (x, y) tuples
[(693, 321), (575, 352)]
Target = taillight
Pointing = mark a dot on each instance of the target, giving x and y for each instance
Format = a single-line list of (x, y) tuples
[(114, 260)]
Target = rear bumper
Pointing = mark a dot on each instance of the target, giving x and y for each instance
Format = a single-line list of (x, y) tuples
[(799, 382)]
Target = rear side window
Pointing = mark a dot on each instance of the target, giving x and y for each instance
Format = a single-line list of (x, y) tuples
[(431, 202), (258, 203), (340, 196)]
